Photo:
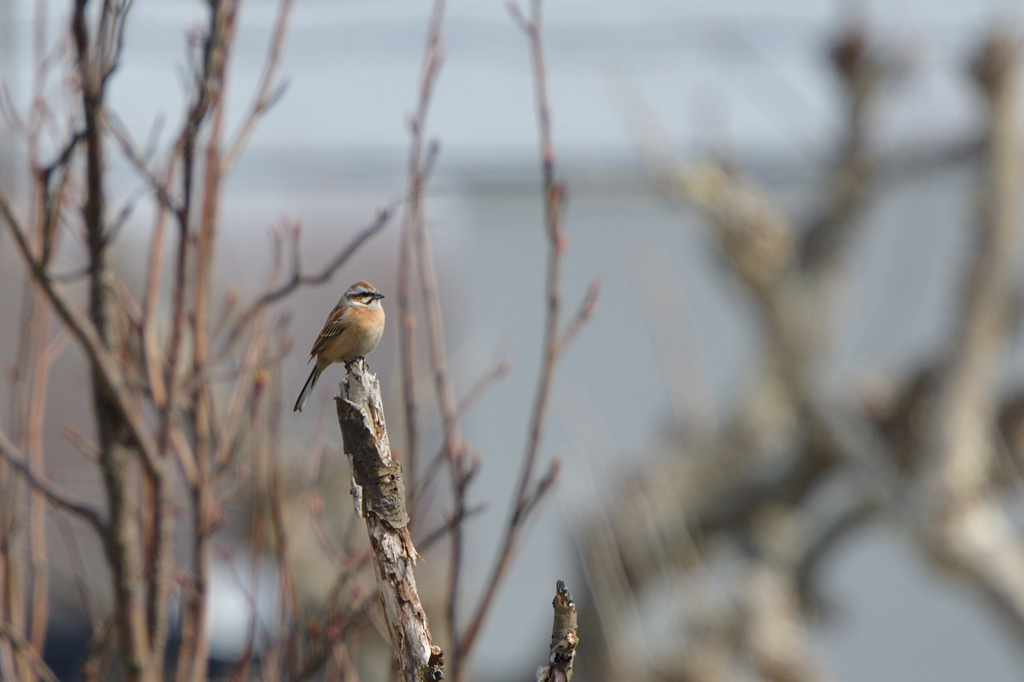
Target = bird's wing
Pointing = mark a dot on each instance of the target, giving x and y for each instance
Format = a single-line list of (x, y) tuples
[(336, 323)]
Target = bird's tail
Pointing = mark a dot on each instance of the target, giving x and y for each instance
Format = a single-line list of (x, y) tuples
[(307, 388)]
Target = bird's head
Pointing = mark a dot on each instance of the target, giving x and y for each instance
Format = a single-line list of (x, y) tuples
[(364, 295)]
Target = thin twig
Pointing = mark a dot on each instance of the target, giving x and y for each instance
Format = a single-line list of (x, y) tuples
[(407, 354), (553, 195), (586, 310), (250, 365), (23, 646), (34, 449), (150, 340), (453, 446), (496, 373), (861, 70), (415, 238), (97, 655), (528, 494), (269, 91), (159, 185), (79, 572), (81, 443), (55, 495), (417, 495), (123, 215), (445, 528), (87, 336), (221, 34), (418, 170), (299, 279), (335, 630)]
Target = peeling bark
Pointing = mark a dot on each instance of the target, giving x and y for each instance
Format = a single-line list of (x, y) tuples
[(379, 484)]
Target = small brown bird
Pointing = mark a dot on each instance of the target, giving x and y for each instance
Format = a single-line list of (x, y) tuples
[(352, 330)]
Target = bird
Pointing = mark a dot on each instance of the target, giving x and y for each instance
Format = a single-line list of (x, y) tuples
[(351, 331)]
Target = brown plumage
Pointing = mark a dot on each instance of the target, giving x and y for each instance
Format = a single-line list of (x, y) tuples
[(351, 331)]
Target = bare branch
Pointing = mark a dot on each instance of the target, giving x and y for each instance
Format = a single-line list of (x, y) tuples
[(496, 373), (437, 534), (23, 646), (81, 443), (586, 310), (56, 496), (528, 493), (964, 527), (413, 227), (335, 630), (269, 91), (776, 640), (851, 181), (89, 339), (159, 185), (243, 387), (123, 215), (298, 279)]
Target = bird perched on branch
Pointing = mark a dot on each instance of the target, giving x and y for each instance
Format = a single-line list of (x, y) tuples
[(352, 330)]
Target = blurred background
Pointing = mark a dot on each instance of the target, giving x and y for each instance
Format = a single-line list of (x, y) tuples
[(674, 363)]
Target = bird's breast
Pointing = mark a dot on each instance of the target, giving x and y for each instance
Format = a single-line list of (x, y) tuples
[(366, 332)]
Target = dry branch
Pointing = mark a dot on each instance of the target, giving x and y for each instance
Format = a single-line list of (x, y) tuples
[(103, 361), (564, 638), (775, 637), (270, 89), (861, 70), (24, 647), (420, 159), (529, 492), (964, 525), (667, 519), (379, 476), (56, 496), (299, 279), (153, 399)]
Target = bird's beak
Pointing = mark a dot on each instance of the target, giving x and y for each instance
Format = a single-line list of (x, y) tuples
[(378, 296)]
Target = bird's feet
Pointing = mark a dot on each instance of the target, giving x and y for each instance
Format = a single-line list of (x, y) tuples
[(354, 363)]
